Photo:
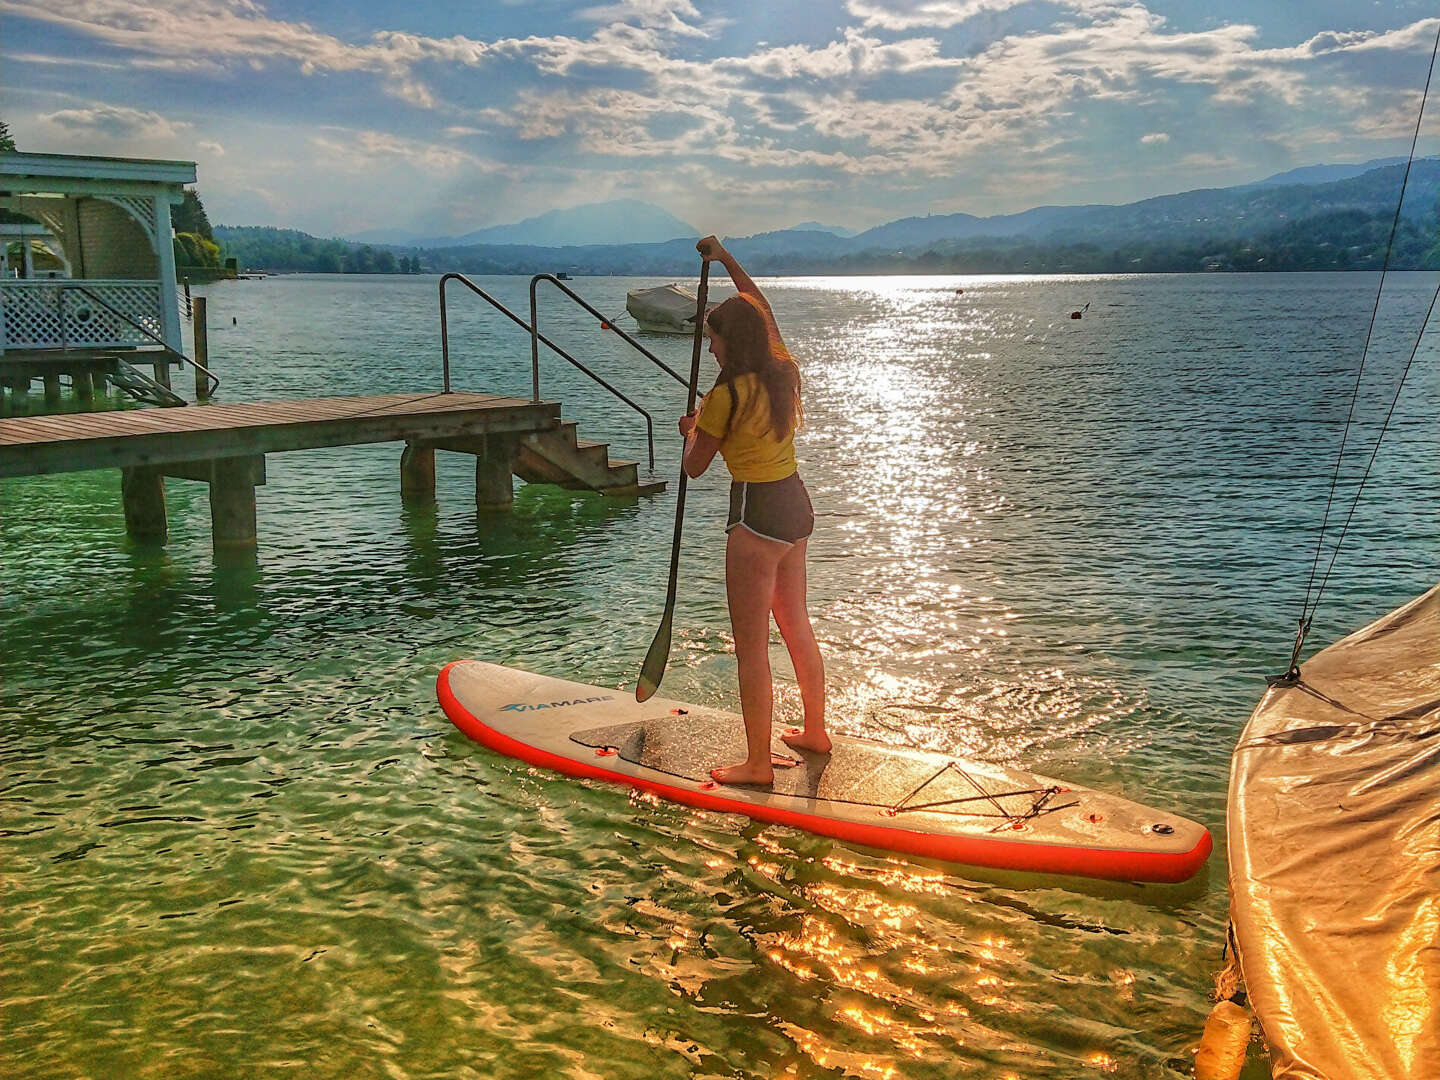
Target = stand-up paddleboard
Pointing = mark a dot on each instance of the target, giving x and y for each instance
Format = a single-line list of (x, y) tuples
[(898, 799)]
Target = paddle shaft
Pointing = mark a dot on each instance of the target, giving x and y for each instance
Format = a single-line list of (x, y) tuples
[(653, 669)]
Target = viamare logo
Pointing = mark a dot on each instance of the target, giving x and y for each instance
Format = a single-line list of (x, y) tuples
[(533, 706)]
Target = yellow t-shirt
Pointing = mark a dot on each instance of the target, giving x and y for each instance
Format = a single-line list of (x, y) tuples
[(751, 451)]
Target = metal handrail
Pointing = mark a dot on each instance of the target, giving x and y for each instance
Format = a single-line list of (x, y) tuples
[(535, 367), (605, 321), (71, 286)]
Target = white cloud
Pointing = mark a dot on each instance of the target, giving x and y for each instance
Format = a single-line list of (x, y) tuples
[(854, 56), (61, 61), (361, 150), (943, 14), (116, 121), (883, 98), (213, 33), (673, 16)]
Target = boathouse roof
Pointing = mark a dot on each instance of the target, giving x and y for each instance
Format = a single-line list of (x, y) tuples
[(69, 172)]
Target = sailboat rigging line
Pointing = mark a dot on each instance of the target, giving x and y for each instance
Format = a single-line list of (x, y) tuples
[(1375, 450), (1308, 608)]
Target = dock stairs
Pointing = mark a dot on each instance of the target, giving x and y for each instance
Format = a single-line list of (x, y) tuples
[(141, 387), (560, 456)]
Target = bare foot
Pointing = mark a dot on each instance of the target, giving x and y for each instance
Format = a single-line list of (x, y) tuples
[(745, 773), (817, 742)]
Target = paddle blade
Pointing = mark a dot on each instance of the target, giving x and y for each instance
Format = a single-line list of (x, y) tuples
[(653, 669)]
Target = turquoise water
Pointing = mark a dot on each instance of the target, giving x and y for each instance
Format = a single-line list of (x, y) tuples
[(240, 838)]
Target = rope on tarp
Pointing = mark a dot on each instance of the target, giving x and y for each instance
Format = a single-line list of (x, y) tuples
[(1309, 606), (1230, 982)]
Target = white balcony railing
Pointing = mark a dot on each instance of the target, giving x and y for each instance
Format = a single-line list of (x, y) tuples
[(57, 314)]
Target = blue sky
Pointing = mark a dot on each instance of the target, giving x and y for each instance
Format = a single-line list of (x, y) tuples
[(738, 116)]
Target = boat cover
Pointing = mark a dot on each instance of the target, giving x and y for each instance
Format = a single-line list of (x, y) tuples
[(668, 309), (1334, 850)]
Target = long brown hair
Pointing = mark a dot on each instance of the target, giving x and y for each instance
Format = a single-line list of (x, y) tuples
[(753, 346)]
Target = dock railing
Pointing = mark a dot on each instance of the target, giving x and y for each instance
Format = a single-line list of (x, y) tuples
[(605, 322), (536, 340)]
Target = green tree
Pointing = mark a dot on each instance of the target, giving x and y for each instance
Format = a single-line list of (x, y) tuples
[(192, 249), (7, 141), (189, 216), (361, 260)]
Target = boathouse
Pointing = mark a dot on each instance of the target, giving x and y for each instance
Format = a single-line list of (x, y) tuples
[(106, 297)]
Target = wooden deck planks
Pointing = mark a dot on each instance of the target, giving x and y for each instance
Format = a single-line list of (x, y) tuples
[(29, 429), (75, 441)]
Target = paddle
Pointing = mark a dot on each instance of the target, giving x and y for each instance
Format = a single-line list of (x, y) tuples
[(653, 669)]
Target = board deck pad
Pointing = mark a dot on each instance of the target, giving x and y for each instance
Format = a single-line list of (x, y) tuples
[(896, 798), (855, 771)]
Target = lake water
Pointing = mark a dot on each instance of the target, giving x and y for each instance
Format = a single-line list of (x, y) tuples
[(241, 839)]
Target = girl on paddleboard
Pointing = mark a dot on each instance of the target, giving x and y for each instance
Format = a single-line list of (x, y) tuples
[(749, 417)]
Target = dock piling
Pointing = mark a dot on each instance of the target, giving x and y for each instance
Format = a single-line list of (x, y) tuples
[(417, 472), (202, 346), (494, 469), (232, 500), (142, 487)]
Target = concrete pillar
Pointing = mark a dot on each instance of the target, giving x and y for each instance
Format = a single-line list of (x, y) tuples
[(52, 389), (143, 490), (20, 391), (162, 372), (80, 380), (494, 484), (232, 500), (417, 473)]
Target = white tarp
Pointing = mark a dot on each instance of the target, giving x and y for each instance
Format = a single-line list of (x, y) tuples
[(1334, 850), (668, 309)]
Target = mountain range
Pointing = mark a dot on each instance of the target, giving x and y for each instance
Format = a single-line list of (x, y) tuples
[(1332, 213), (620, 221)]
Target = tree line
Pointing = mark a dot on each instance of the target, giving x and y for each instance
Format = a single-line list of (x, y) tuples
[(268, 248)]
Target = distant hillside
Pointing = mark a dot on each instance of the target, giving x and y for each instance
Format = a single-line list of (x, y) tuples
[(266, 248), (815, 226), (1326, 174), (923, 231), (1189, 217), (622, 221), (1339, 224)]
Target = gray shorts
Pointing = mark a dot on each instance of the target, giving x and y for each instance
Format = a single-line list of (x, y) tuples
[(777, 510)]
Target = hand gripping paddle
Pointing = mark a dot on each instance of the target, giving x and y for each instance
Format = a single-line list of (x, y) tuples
[(653, 670)]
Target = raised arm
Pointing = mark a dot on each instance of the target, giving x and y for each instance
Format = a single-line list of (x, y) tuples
[(714, 251)]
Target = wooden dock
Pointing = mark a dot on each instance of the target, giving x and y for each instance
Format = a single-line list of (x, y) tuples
[(225, 446)]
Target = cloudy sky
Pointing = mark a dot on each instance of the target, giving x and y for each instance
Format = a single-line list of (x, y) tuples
[(336, 117)]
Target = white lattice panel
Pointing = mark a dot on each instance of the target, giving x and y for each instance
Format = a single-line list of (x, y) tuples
[(56, 314), (141, 209)]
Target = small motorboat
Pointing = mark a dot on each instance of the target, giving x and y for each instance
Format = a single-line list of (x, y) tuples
[(667, 309)]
